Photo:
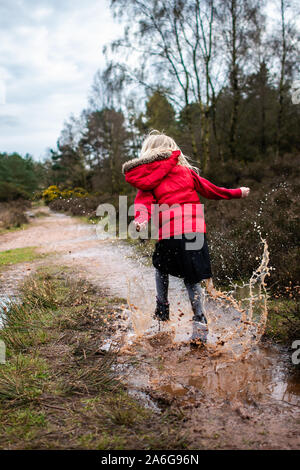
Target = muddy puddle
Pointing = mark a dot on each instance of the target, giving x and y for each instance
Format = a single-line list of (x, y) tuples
[(10, 280), (263, 377), (233, 365)]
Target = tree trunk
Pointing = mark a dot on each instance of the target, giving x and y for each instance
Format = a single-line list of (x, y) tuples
[(234, 83), (205, 138), (281, 81)]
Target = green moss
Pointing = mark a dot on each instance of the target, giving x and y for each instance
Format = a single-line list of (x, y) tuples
[(283, 323), (18, 255), (26, 423), (22, 379), (13, 229)]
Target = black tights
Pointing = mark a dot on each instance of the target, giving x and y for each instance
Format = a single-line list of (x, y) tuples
[(194, 291)]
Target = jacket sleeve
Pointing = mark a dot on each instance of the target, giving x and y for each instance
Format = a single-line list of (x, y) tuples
[(142, 206), (210, 191)]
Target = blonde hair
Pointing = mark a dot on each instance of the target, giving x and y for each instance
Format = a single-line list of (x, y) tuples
[(160, 142)]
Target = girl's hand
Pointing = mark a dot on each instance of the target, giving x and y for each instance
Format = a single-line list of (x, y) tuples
[(139, 226), (245, 191)]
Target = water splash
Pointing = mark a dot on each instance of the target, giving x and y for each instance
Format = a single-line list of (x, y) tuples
[(140, 316), (236, 319)]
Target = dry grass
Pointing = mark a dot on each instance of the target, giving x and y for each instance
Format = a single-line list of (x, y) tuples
[(12, 215), (57, 389)]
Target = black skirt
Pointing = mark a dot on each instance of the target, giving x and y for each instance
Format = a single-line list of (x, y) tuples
[(183, 257)]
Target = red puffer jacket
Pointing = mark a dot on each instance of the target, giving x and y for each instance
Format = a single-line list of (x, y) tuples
[(161, 181)]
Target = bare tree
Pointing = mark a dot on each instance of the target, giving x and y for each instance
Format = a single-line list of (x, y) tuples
[(173, 43), (286, 47), (237, 23)]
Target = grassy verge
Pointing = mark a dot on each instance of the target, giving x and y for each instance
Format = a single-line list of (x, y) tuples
[(13, 215), (18, 255), (87, 219), (3, 231), (57, 389), (283, 320), (39, 214)]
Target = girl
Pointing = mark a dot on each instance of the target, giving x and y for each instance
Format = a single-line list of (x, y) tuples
[(164, 176)]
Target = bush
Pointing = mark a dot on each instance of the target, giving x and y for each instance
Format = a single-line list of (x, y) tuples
[(11, 192), (53, 192), (50, 194), (13, 214), (86, 206), (272, 208), (19, 176)]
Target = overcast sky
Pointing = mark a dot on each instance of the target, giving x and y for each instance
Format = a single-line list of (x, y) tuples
[(49, 53)]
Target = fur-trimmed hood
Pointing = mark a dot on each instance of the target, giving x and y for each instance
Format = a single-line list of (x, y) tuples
[(148, 171), (150, 157)]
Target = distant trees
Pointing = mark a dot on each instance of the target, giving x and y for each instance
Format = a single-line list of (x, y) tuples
[(174, 42), (159, 114), (105, 145), (90, 155), (68, 163), (259, 109), (19, 177), (215, 62), (92, 148), (237, 24), (212, 74), (286, 48)]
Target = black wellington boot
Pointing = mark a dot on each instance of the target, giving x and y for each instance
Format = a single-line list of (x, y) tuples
[(162, 312), (198, 311), (199, 318), (200, 330)]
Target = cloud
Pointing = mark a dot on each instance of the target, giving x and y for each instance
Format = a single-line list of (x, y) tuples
[(50, 51), (8, 121), (2, 92)]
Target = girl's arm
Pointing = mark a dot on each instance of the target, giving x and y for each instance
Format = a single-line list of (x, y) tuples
[(142, 207), (210, 191)]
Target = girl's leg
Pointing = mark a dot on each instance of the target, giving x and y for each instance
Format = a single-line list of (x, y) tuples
[(195, 295), (162, 304), (162, 286)]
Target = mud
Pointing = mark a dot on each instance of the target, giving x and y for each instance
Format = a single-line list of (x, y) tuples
[(249, 399)]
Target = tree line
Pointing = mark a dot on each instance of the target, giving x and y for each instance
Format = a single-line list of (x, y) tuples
[(216, 75), (20, 177)]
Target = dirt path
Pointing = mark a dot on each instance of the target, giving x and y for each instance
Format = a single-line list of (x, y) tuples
[(251, 403)]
